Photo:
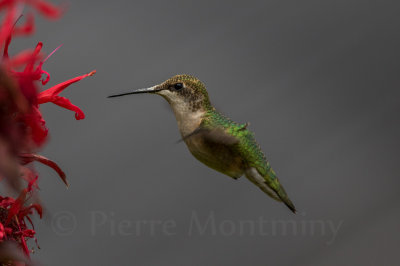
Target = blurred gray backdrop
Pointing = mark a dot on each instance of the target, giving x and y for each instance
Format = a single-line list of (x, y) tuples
[(317, 80)]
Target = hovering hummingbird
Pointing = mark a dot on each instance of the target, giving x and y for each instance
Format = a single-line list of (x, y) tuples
[(214, 139)]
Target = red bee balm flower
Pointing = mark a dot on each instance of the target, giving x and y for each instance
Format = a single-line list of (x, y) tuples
[(13, 217), (22, 127)]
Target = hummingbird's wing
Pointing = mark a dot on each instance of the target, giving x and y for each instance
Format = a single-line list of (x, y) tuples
[(215, 147), (217, 135)]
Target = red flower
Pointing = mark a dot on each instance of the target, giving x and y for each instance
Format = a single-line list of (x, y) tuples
[(27, 81), (22, 127), (13, 217)]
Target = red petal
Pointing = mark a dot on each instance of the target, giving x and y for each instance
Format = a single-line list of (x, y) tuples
[(32, 182), (29, 157), (28, 210), (28, 233), (36, 52), (5, 3), (38, 209), (2, 232), (7, 201), (27, 28), (47, 9), (37, 125), (65, 103), (21, 58), (16, 206), (6, 45), (44, 81), (29, 176), (8, 23), (46, 95), (30, 221)]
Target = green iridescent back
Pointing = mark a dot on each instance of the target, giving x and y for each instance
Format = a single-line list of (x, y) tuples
[(246, 146)]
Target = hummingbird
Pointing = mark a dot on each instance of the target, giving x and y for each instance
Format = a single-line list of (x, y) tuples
[(215, 140)]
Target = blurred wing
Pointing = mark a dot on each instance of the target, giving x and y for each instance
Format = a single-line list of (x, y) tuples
[(219, 150), (216, 135)]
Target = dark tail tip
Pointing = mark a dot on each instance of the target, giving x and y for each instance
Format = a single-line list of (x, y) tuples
[(290, 205), (285, 199)]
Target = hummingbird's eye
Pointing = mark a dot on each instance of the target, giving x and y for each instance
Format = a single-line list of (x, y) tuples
[(178, 86)]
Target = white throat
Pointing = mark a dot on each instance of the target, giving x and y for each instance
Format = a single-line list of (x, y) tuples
[(187, 119)]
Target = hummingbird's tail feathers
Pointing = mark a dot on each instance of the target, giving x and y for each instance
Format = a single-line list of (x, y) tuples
[(273, 182), (253, 175), (261, 184), (271, 186), (285, 199)]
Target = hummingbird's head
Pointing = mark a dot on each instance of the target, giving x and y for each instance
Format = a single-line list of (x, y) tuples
[(180, 91)]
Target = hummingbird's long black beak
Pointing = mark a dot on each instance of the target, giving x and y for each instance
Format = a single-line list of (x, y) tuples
[(146, 90)]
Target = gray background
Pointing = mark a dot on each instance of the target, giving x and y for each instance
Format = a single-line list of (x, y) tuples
[(317, 80)]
